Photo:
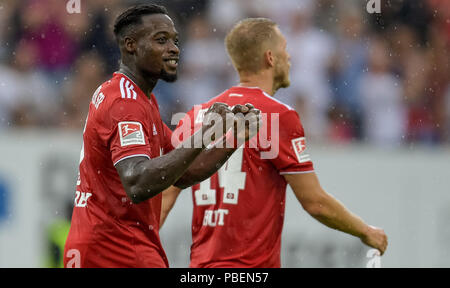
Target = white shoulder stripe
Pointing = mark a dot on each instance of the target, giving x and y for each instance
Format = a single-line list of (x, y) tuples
[(125, 85), (122, 92), (131, 156)]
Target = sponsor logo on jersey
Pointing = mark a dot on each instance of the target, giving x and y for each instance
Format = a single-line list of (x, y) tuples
[(131, 133), (299, 146)]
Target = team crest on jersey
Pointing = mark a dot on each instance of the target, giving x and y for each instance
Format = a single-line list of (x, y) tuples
[(299, 145), (131, 133)]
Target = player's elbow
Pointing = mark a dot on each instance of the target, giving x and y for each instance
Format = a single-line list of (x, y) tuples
[(138, 194), (315, 210), (316, 207), (141, 184), (134, 194), (187, 180), (134, 198)]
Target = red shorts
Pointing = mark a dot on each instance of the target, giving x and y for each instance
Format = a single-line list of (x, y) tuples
[(107, 255)]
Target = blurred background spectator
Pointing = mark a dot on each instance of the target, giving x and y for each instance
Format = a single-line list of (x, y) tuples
[(381, 96), (379, 78)]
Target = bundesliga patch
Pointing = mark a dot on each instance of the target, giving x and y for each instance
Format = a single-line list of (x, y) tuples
[(131, 133), (299, 145)]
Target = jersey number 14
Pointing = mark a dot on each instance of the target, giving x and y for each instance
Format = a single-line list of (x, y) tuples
[(231, 179)]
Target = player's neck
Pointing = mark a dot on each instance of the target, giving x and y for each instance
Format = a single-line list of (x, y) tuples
[(144, 83), (264, 81)]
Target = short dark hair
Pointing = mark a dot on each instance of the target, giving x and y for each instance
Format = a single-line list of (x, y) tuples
[(133, 16)]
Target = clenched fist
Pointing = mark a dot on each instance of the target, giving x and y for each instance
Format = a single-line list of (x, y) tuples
[(247, 122), (376, 238)]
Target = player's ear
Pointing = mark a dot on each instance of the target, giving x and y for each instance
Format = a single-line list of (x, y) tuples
[(268, 58), (129, 44)]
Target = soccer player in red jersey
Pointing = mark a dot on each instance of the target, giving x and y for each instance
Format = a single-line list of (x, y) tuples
[(127, 158), (239, 212)]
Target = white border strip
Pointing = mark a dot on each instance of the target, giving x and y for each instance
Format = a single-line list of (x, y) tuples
[(136, 155)]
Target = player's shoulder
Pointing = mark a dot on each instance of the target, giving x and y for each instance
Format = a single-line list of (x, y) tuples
[(120, 87), (114, 100), (256, 96), (269, 104), (274, 105), (221, 97), (118, 90)]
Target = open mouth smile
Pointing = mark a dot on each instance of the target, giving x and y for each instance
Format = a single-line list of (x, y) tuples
[(172, 62)]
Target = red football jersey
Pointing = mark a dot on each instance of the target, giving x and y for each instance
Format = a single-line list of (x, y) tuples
[(107, 229), (239, 212)]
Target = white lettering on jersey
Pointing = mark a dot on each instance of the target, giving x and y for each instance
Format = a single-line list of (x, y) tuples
[(214, 218), (131, 133), (299, 146), (76, 258), (81, 199), (98, 97), (82, 150), (154, 130), (127, 89)]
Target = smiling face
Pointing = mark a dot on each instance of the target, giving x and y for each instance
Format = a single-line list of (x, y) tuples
[(156, 51)]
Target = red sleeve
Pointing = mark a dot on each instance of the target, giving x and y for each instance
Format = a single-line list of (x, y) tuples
[(292, 154), (126, 122)]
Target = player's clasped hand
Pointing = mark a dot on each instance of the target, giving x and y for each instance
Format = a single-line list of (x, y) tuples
[(376, 238), (247, 122), (219, 118), (214, 122)]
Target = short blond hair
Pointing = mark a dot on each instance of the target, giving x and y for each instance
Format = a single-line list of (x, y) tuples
[(247, 41)]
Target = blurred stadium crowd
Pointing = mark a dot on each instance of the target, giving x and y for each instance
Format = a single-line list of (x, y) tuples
[(378, 78)]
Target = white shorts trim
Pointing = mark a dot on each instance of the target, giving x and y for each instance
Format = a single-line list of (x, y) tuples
[(126, 157)]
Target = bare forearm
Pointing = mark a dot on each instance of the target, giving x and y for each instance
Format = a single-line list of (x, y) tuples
[(169, 196), (332, 213), (204, 166), (155, 175), (143, 178)]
